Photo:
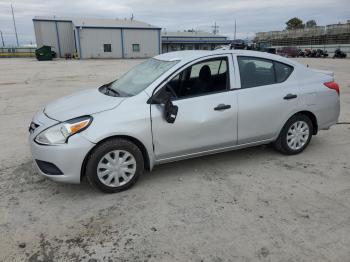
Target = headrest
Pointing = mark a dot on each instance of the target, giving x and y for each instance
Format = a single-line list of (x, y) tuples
[(250, 68), (205, 73)]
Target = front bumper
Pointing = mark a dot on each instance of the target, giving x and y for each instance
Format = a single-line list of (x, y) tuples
[(68, 158)]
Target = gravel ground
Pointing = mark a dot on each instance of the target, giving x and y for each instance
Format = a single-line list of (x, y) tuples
[(247, 205)]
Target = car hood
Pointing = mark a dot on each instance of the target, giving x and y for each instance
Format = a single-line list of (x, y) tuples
[(81, 103)]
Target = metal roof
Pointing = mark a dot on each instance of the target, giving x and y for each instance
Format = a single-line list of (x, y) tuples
[(196, 41), (99, 22), (191, 34)]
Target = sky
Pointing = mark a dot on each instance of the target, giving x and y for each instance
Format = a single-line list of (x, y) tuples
[(176, 15)]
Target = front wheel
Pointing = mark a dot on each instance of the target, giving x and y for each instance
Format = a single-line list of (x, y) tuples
[(114, 165), (295, 135)]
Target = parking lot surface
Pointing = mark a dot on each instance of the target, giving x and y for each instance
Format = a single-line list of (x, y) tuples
[(248, 205)]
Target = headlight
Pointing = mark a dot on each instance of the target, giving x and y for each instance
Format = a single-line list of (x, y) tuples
[(59, 134)]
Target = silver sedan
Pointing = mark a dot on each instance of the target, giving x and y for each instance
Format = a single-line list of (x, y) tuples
[(181, 105)]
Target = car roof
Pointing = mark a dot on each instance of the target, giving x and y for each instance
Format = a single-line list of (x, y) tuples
[(190, 55)]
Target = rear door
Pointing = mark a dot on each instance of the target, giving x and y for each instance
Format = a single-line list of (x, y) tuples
[(267, 96), (207, 110)]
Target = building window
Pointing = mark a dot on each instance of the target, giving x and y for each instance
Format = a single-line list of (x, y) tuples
[(136, 47), (107, 48)]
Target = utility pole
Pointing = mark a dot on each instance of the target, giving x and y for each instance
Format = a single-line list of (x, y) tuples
[(235, 31), (215, 29), (14, 25), (2, 39)]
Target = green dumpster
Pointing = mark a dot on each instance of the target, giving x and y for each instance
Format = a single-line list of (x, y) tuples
[(44, 53)]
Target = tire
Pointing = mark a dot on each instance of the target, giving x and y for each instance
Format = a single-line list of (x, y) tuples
[(108, 171), (284, 142)]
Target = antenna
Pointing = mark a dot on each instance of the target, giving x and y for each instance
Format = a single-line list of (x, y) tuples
[(215, 29), (14, 25)]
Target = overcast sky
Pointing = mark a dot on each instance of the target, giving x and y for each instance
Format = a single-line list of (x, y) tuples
[(252, 15)]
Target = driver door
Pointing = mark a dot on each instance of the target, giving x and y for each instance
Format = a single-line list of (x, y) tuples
[(207, 111)]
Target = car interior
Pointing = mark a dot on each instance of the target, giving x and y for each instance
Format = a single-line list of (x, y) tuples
[(259, 72), (204, 77), (253, 75)]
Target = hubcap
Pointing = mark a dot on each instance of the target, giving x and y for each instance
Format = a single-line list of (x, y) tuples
[(116, 168), (297, 135)]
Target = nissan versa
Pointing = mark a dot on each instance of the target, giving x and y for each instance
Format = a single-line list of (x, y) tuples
[(180, 105)]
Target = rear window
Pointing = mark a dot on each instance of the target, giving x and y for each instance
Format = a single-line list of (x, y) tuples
[(256, 71)]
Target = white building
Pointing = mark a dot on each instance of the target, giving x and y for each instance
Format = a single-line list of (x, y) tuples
[(98, 38)]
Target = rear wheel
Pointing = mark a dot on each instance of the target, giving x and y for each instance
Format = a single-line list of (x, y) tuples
[(295, 135), (114, 165)]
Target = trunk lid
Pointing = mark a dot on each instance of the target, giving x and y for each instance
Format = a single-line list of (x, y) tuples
[(326, 72)]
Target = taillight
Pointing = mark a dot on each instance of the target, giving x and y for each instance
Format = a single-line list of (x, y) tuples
[(333, 85)]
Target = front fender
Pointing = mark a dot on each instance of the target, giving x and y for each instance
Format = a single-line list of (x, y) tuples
[(130, 119)]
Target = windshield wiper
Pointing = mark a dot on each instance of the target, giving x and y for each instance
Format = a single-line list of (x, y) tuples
[(110, 89), (107, 90)]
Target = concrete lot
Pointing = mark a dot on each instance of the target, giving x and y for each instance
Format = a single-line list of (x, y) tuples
[(247, 205)]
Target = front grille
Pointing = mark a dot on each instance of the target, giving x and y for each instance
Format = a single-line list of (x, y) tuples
[(32, 127), (48, 168)]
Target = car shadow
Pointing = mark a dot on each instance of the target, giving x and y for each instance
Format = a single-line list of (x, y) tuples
[(229, 159), (179, 169)]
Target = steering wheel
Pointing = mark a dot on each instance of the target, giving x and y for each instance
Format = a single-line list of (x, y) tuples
[(169, 88)]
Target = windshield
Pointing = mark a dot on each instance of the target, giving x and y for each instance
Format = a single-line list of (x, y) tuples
[(141, 76)]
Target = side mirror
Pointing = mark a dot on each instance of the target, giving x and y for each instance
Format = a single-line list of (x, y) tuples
[(157, 100), (170, 111)]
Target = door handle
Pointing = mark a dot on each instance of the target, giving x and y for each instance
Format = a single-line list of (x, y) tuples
[(222, 107), (290, 96)]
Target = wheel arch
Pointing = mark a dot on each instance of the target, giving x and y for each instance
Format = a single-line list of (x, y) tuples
[(307, 113), (313, 119), (137, 142)]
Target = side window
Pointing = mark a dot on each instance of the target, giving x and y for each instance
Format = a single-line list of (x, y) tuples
[(283, 71), (222, 67), (107, 48), (213, 65), (255, 71), (207, 76), (259, 72)]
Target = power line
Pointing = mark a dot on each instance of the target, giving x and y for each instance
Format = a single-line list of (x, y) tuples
[(215, 29)]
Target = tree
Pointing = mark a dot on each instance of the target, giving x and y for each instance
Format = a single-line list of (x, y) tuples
[(294, 23), (310, 23)]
